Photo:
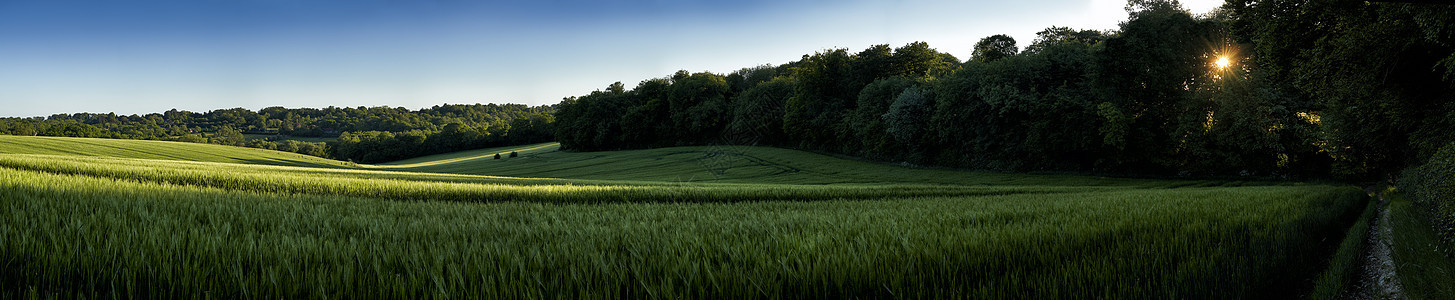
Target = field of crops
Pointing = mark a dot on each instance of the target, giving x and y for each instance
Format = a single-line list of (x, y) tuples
[(159, 150), (213, 221)]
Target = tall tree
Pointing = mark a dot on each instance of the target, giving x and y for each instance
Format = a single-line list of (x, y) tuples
[(993, 48), (878, 61), (1148, 73), (867, 121), (825, 92), (917, 59), (699, 106), (1057, 35), (758, 113), (1378, 73), (906, 118)]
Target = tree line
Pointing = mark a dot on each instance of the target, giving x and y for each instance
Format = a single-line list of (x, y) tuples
[(364, 134), (1344, 89), (383, 146)]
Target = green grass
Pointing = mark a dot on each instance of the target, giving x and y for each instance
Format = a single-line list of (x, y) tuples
[(734, 164), (470, 188), (663, 223), (152, 239), (464, 159), (1346, 262), (1425, 272), (161, 150)]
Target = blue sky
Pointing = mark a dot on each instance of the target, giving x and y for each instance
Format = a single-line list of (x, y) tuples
[(136, 57)]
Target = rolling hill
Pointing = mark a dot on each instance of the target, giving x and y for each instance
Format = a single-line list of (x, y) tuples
[(160, 150)]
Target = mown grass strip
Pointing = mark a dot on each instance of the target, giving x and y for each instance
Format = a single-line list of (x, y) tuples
[(467, 156)]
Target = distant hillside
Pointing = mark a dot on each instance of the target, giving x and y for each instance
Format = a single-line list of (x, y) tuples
[(157, 150), (364, 134)]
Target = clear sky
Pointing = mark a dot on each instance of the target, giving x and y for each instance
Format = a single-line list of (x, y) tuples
[(136, 57)]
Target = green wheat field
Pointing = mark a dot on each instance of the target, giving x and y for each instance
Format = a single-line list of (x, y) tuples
[(101, 218)]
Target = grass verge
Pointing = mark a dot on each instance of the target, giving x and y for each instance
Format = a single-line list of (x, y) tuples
[(1425, 271)]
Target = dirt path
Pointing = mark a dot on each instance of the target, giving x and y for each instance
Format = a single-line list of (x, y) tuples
[(1377, 279)]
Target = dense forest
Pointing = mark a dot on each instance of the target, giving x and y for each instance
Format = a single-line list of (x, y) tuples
[(1285, 88), (364, 134)]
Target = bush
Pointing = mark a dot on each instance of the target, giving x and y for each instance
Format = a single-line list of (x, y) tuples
[(514, 154), (497, 156), (1432, 186)]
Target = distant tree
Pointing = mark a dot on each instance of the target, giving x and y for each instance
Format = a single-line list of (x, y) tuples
[(1057, 35), (24, 128), (994, 48), (227, 136), (260, 144), (867, 121), (1150, 73), (288, 146), (1137, 9), (878, 61), (747, 78), (824, 92), (314, 149), (648, 115), (420, 132), (907, 116), (758, 113), (191, 138), (917, 59), (534, 128), (698, 104), (72, 129), (455, 136), (593, 122), (274, 112)]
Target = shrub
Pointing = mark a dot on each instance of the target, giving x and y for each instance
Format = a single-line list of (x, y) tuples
[(514, 154), (1432, 186), (497, 156)]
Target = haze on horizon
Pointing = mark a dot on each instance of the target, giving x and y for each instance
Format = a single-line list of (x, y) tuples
[(137, 58)]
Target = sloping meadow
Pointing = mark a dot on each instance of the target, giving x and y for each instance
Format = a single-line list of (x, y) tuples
[(98, 227)]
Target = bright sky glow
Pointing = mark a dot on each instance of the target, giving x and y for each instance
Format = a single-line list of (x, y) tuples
[(1222, 62), (134, 57)]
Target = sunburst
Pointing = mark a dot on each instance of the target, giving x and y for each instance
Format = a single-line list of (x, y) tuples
[(1222, 63)]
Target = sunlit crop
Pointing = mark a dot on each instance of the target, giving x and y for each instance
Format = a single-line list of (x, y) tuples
[(105, 226)]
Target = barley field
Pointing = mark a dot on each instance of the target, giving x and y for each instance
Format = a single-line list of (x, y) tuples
[(175, 220)]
